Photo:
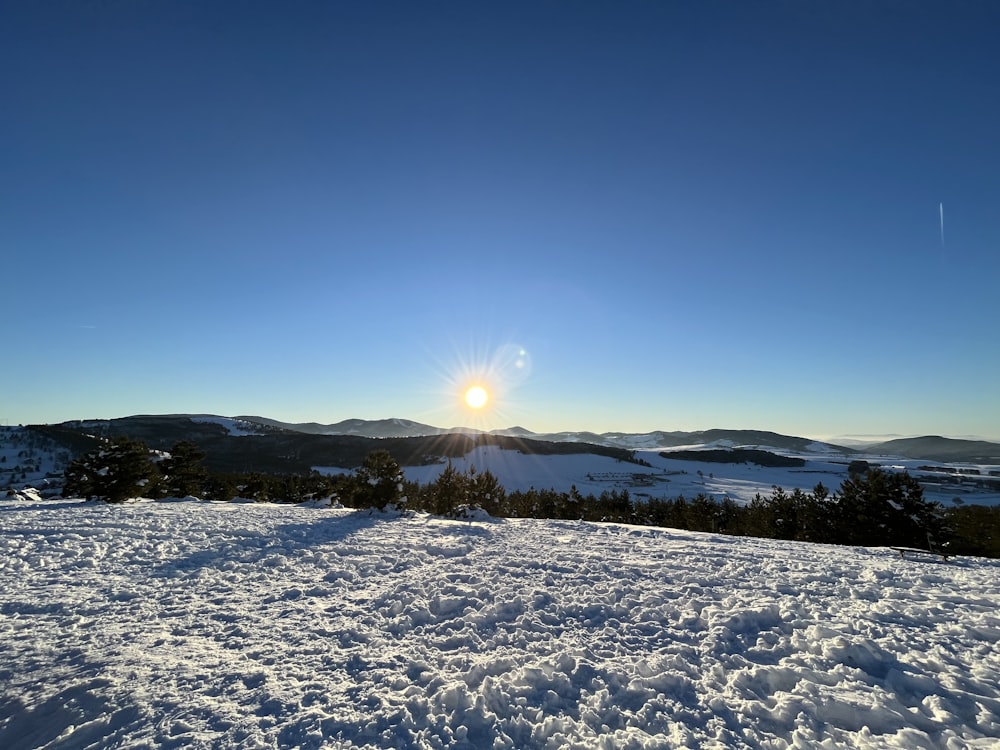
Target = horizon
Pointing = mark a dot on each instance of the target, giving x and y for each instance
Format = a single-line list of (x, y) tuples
[(606, 217), (850, 437)]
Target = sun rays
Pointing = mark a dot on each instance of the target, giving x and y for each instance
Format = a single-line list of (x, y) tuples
[(479, 385)]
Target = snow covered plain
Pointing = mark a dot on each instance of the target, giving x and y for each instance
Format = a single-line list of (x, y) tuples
[(669, 478), (661, 478), (191, 624)]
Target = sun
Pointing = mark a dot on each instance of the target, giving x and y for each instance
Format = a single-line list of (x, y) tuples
[(476, 397), (478, 382)]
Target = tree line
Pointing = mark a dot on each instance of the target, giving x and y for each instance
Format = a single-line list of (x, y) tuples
[(872, 507)]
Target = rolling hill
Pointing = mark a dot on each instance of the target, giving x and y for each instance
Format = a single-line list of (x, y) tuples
[(719, 462), (935, 448)]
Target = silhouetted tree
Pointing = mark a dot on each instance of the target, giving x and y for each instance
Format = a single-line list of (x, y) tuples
[(221, 487), (379, 481), (886, 508), (446, 493), (183, 473), (119, 470), (975, 529), (702, 514), (486, 492), (257, 487)]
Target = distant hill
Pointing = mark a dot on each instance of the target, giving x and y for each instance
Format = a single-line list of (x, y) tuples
[(394, 428), (254, 443), (717, 436), (936, 448), (157, 429), (735, 456), (376, 428), (758, 437), (516, 431), (231, 445), (36, 455)]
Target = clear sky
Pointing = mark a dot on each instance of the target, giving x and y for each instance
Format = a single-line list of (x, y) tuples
[(616, 216)]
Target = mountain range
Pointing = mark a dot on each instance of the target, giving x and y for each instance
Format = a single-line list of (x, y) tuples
[(342, 441), (928, 447)]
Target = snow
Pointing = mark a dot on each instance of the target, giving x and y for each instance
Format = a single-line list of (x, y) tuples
[(592, 474), (203, 625), (235, 427), (670, 478), (28, 460), (520, 471)]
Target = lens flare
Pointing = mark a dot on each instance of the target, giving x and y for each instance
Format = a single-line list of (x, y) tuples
[(512, 364)]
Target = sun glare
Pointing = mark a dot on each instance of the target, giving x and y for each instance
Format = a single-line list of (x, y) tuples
[(479, 382), (476, 397)]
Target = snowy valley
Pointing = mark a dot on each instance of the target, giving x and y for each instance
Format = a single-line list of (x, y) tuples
[(950, 471)]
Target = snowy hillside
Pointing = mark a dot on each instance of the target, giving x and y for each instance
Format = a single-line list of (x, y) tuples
[(192, 624), (233, 425), (30, 459)]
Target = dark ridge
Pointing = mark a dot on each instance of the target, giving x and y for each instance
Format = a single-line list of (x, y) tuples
[(937, 448), (281, 451), (736, 456)]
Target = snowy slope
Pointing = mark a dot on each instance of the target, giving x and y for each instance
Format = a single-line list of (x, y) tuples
[(234, 425), (201, 625), (28, 459)]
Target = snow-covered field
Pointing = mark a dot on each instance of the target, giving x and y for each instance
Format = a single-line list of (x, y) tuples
[(190, 624), (662, 478), (670, 478)]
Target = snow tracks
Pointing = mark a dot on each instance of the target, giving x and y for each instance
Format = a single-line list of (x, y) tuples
[(209, 626)]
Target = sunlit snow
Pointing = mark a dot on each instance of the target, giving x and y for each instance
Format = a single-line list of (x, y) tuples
[(190, 624), (669, 478)]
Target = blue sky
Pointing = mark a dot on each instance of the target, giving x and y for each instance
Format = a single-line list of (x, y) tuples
[(618, 216)]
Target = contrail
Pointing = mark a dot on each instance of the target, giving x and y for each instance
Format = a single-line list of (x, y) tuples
[(941, 209)]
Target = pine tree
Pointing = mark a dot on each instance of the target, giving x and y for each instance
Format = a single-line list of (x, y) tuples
[(486, 491), (115, 472), (379, 481), (880, 508), (448, 491), (183, 473)]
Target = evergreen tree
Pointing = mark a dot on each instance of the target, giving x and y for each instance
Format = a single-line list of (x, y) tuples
[(183, 473), (815, 516), (616, 506), (257, 488), (486, 491), (79, 478), (448, 491), (976, 530), (881, 508), (702, 514), (759, 518), (379, 481), (221, 488), (731, 517), (115, 472)]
